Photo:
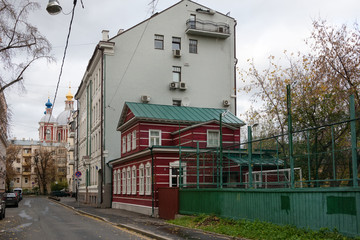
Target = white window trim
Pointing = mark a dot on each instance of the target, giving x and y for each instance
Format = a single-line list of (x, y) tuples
[(128, 181), (119, 181), (123, 181), (115, 183), (141, 179), (176, 165), (207, 138), (154, 130), (133, 139), (128, 142), (133, 180), (148, 179), (124, 144)]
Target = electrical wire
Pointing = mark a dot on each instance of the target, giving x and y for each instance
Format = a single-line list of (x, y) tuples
[(130, 61), (63, 59)]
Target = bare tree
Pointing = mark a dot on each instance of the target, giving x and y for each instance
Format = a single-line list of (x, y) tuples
[(12, 153), (21, 44), (44, 165)]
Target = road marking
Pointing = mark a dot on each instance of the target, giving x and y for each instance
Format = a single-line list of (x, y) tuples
[(23, 214)]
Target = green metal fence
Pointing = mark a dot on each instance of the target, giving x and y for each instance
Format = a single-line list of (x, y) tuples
[(323, 156)]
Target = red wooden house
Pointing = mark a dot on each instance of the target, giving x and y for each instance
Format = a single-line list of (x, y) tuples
[(150, 146)]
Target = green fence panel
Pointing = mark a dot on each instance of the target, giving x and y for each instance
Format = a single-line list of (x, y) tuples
[(305, 208)]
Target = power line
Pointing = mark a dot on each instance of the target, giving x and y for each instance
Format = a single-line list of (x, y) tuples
[(63, 59), (132, 56)]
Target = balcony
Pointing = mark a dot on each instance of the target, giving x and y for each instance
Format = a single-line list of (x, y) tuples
[(26, 173), (207, 28)]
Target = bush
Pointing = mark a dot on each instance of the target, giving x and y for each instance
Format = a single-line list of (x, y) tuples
[(59, 186)]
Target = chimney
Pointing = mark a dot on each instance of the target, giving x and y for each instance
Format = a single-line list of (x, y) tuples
[(105, 35)]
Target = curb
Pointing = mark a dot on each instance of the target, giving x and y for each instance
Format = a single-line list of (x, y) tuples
[(130, 228)]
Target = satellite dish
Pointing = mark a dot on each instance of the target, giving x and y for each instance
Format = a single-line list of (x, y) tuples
[(186, 102)]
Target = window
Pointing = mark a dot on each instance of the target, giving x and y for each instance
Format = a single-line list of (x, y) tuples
[(133, 180), (193, 46), (128, 147), (18, 180), (176, 74), (141, 179), (26, 180), (115, 183), (213, 138), (177, 102), (148, 179), (123, 181), (123, 144), (59, 137), (47, 134), (192, 22), (176, 43), (154, 137), (118, 181), (18, 170), (128, 178), (174, 174), (133, 143), (159, 42)]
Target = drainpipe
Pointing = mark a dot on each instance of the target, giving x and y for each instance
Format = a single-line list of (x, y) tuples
[(152, 183), (236, 60), (102, 160)]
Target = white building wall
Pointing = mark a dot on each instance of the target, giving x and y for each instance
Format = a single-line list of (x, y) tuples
[(137, 68)]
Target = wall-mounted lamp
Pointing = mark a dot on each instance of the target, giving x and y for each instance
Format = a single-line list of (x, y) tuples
[(53, 7)]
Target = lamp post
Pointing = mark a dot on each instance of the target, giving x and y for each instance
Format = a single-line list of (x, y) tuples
[(53, 7), (223, 114)]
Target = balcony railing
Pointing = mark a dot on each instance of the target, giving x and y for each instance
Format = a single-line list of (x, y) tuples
[(207, 28)]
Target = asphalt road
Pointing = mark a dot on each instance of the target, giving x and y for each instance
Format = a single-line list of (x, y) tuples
[(38, 218)]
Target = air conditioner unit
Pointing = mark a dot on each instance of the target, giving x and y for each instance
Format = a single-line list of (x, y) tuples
[(226, 103), (182, 86), (177, 53), (220, 29), (173, 85), (145, 98)]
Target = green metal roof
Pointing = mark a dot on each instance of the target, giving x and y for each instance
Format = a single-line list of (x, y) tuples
[(179, 113), (257, 159)]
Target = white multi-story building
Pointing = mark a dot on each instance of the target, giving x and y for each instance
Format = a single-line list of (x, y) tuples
[(184, 55), (3, 141)]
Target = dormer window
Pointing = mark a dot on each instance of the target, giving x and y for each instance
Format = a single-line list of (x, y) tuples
[(154, 137)]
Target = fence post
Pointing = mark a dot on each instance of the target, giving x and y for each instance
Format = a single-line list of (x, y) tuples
[(197, 164), (353, 141), (250, 156), (292, 175)]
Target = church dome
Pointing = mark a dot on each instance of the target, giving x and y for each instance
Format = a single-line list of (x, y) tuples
[(46, 118), (63, 117)]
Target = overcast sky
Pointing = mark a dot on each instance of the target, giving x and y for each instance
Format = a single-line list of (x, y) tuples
[(264, 27)]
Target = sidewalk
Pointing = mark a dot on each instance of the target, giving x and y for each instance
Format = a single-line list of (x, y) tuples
[(151, 227)]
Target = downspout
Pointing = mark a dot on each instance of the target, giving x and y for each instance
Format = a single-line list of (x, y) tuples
[(152, 183), (102, 128), (236, 60)]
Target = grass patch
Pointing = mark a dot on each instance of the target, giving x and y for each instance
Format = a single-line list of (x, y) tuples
[(254, 229)]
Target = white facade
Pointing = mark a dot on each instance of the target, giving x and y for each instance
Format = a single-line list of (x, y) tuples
[(139, 65)]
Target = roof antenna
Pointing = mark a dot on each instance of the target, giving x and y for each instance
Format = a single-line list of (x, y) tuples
[(153, 4)]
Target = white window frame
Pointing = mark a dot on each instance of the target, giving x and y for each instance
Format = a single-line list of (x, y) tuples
[(133, 139), (133, 180), (128, 181), (176, 165), (209, 142), (151, 138), (123, 181), (148, 178), (141, 179), (124, 144), (119, 181), (115, 182), (159, 39), (128, 142), (176, 73)]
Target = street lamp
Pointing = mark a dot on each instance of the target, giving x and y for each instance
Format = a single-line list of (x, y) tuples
[(53, 7), (223, 114)]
